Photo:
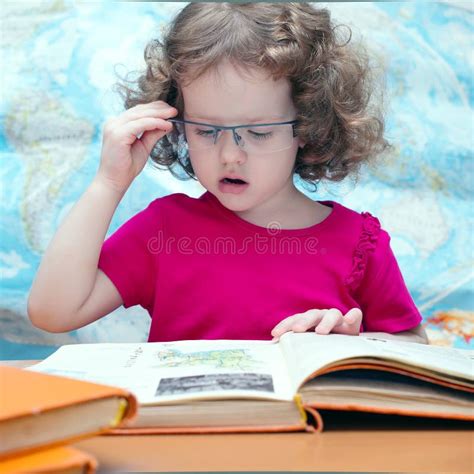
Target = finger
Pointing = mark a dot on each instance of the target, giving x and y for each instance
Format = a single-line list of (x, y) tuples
[(132, 130), (307, 320), (353, 317), (135, 114), (333, 317), (150, 138), (157, 104), (350, 323), (152, 112), (283, 326), (299, 322)]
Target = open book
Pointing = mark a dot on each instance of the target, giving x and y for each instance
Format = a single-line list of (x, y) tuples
[(234, 385)]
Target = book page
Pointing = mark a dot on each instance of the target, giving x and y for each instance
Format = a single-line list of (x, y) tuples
[(366, 384), (308, 352), (183, 370)]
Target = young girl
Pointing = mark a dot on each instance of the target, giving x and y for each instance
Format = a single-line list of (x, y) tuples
[(241, 97)]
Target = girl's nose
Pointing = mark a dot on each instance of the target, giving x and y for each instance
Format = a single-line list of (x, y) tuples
[(229, 151)]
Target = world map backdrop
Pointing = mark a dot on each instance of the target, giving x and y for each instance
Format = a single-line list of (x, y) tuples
[(60, 61)]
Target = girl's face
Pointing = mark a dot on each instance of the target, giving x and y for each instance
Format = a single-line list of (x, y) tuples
[(226, 97)]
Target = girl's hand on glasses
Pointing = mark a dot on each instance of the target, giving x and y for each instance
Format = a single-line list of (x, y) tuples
[(323, 321), (128, 140)]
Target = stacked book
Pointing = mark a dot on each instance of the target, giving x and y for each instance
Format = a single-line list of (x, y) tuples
[(40, 414)]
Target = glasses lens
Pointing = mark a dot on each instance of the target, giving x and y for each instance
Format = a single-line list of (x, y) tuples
[(199, 137), (254, 140), (268, 139)]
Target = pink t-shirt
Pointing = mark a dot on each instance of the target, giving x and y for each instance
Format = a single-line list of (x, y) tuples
[(202, 272)]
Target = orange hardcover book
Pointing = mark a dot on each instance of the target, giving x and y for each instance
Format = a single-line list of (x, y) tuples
[(58, 460), (206, 386), (39, 410)]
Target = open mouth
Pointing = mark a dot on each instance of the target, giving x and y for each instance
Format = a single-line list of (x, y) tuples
[(233, 181)]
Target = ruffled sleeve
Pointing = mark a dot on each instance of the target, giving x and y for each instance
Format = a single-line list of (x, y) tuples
[(377, 284), (365, 246)]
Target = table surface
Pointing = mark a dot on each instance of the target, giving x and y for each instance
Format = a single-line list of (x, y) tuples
[(348, 448)]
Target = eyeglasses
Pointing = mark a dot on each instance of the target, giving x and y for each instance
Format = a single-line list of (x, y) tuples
[(252, 138)]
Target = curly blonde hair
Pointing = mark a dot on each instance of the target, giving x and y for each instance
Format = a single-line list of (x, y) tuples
[(331, 81)]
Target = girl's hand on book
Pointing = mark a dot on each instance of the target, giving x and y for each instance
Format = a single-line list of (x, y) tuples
[(128, 140), (323, 321)]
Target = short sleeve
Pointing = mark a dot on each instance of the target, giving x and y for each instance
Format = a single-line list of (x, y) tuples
[(127, 258), (382, 294)]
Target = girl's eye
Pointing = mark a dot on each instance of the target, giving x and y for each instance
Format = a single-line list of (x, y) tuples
[(205, 133), (260, 136)]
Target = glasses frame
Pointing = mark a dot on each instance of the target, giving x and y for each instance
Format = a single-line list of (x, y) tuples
[(236, 136)]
